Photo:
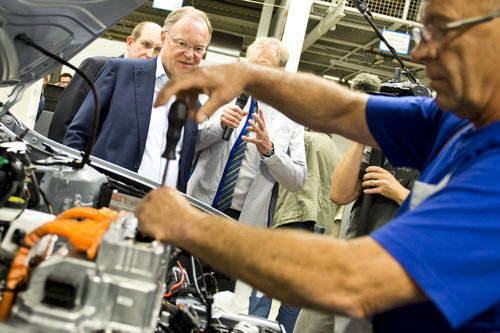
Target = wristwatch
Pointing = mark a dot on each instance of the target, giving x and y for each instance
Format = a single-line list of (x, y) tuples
[(270, 152)]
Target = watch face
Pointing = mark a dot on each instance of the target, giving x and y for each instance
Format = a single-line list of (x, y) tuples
[(270, 152)]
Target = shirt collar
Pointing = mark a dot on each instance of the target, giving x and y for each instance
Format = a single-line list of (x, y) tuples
[(159, 68)]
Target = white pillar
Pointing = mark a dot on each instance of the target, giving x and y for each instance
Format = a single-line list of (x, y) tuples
[(295, 30), (265, 18)]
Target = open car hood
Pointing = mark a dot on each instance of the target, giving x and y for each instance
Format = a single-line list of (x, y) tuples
[(63, 27)]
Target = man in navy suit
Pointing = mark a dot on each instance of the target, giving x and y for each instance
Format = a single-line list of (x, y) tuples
[(133, 132), (144, 43)]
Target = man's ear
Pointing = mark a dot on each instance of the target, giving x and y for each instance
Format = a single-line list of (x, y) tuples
[(130, 40), (163, 36)]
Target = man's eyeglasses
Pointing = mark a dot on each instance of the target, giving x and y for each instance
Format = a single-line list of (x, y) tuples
[(148, 46), (436, 33), (199, 50)]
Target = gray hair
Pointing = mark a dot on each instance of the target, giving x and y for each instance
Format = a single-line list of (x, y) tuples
[(366, 82), (264, 42), (192, 12)]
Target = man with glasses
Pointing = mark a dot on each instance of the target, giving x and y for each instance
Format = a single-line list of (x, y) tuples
[(239, 176), (144, 43), (133, 132), (435, 266)]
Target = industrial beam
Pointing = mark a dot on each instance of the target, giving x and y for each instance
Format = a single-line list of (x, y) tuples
[(328, 22)]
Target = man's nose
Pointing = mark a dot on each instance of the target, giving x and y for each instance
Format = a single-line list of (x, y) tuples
[(424, 51), (189, 51), (150, 53)]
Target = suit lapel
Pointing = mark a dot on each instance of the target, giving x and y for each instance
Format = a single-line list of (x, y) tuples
[(144, 81)]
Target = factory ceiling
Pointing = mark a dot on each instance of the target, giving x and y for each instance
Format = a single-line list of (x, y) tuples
[(339, 42)]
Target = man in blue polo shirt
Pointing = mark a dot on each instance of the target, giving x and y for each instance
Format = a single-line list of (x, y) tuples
[(435, 266)]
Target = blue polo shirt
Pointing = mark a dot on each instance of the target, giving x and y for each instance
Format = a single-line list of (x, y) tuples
[(446, 235)]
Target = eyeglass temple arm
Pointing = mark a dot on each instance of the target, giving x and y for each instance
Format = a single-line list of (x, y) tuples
[(471, 20)]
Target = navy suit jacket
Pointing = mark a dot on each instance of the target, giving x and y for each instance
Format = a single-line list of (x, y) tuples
[(73, 96), (125, 88)]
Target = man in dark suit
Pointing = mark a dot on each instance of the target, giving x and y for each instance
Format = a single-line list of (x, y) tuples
[(144, 43), (132, 132)]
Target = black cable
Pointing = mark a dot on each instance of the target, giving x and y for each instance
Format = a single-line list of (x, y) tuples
[(34, 199), (5, 262), (193, 267), (214, 280), (23, 208), (23, 38), (363, 9), (204, 298), (201, 270), (52, 163), (208, 299), (46, 201), (21, 136)]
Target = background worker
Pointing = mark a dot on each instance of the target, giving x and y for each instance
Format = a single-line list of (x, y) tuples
[(144, 43), (239, 176)]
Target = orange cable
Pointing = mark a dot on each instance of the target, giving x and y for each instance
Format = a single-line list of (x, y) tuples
[(178, 284), (84, 236)]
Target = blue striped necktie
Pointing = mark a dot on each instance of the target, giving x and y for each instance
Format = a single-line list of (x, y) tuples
[(230, 177)]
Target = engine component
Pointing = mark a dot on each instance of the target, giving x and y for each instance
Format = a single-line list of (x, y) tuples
[(12, 171), (120, 290), (69, 187), (28, 221)]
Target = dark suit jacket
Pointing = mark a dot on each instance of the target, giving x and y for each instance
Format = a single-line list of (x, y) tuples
[(73, 96), (125, 88)]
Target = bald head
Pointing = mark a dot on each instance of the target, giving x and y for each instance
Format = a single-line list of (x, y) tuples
[(145, 42)]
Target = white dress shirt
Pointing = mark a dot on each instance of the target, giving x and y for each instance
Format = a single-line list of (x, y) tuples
[(258, 176), (152, 164)]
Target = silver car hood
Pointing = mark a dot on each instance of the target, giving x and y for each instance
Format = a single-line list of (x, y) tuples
[(63, 27)]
